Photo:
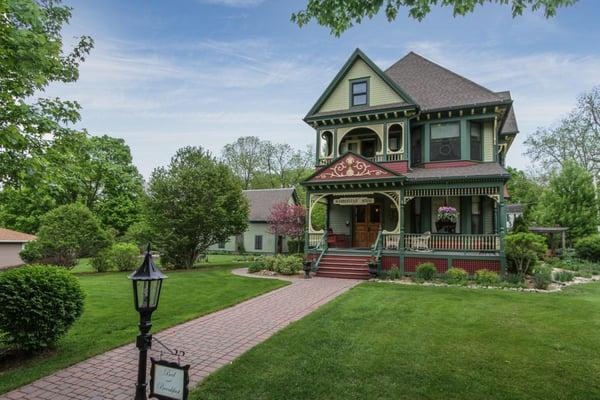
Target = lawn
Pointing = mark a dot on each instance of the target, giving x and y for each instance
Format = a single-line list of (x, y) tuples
[(85, 264), (109, 319), (387, 341)]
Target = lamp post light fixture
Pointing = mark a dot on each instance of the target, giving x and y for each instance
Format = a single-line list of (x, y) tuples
[(147, 282)]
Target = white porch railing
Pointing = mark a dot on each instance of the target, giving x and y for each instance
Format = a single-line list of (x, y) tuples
[(314, 240), (452, 242), (391, 241)]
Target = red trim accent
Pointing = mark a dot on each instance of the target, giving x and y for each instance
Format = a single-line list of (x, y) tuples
[(449, 164), (351, 167), (400, 167), (472, 266), (388, 262), (411, 263)]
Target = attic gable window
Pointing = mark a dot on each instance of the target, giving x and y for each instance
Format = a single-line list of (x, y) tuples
[(359, 90)]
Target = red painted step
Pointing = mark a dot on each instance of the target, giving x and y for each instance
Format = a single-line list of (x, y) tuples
[(344, 266)]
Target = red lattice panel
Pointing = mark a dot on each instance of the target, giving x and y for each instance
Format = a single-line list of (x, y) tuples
[(472, 266), (388, 262), (411, 263)]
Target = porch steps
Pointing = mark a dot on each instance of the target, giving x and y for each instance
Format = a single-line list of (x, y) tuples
[(349, 266)]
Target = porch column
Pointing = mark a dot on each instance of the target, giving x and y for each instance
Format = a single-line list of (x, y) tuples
[(306, 222), (401, 219), (327, 212), (502, 227)]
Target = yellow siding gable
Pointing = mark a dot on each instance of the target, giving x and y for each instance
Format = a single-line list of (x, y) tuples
[(488, 141), (379, 92)]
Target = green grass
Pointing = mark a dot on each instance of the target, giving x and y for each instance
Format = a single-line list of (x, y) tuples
[(84, 265), (109, 319), (386, 341)]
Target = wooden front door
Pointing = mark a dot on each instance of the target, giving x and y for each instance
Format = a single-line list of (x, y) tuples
[(367, 221)]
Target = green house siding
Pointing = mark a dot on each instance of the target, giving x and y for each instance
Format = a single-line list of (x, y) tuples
[(380, 92), (338, 216)]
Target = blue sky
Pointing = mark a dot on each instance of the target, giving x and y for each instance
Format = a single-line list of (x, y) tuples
[(165, 74)]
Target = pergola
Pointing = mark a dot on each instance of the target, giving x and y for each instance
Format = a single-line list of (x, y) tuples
[(551, 231)]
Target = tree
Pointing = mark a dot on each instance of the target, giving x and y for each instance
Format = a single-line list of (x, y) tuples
[(524, 189), (67, 233), (245, 157), (576, 137), (286, 166), (570, 201), (340, 15), (192, 204), (96, 171), (32, 58), (287, 220), (524, 250)]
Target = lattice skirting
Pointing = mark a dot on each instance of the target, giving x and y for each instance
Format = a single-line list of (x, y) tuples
[(411, 263)]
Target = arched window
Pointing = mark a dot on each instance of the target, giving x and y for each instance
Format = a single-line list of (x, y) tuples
[(395, 137), (326, 144)]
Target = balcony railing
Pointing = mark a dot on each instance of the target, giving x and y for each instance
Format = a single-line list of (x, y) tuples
[(452, 242), (377, 158)]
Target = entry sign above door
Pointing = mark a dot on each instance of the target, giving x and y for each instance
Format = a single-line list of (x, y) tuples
[(353, 201), (169, 380)]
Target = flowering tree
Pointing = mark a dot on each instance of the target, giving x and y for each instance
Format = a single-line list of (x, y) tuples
[(287, 220)]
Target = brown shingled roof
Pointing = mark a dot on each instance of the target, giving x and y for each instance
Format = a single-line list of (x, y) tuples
[(262, 201), (434, 87), (473, 171), (8, 235)]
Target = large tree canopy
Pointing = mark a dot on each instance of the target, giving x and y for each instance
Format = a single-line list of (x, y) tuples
[(194, 203), (95, 171), (576, 137), (32, 57), (340, 15), (569, 201)]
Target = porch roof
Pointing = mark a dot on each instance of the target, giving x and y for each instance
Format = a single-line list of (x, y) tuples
[(470, 172)]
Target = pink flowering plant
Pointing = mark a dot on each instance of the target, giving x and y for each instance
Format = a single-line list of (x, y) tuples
[(447, 213)]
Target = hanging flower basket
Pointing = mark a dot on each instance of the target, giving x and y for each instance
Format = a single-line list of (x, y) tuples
[(446, 219)]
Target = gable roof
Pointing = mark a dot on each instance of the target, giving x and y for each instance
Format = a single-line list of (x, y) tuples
[(261, 201), (358, 54), (350, 167), (434, 87), (8, 235)]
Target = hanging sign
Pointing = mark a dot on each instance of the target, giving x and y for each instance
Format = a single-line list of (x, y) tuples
[(169, 380), (353, 201)]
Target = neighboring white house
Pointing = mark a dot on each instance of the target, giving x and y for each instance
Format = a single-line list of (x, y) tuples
[(257, 238), (512, 212), (11, 244)]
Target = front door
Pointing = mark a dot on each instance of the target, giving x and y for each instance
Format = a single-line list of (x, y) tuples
[(367, 221)]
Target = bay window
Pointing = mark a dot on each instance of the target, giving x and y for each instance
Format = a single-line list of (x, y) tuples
[(445, 142)]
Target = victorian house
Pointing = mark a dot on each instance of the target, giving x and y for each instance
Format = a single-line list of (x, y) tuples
[(410, 169)]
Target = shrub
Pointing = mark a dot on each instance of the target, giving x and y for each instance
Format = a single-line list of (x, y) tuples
[(485, 277), (542, 277), (588, 248), (457, 276), (269, 263), (513, 279), (288, 265), (563, 276), (394, 273), (120, 256), (524, 250), (67, 233), (295, 246), (426, 271), (39, 305), (255, 267), (32, 251)]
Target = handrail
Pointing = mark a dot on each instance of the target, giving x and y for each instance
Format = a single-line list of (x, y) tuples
[(323, 243), (377, 248), (488, 242)]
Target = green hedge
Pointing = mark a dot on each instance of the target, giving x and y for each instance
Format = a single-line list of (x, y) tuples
[(588, 248), (39, 305)]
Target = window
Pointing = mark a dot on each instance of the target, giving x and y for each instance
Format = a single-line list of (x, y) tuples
[(221, 245), (476, 131), (395, 137), (445, 142), (326, 144), (476, 220), (258, 242), (416, 149), (359, 93)]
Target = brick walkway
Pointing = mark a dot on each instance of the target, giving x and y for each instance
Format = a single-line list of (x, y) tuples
[(209, 343)]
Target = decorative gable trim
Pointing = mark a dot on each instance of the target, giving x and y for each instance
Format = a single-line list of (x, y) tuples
[(351, 167), (358, 54)]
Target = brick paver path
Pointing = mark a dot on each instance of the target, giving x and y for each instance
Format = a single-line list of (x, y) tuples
[(209, 343)]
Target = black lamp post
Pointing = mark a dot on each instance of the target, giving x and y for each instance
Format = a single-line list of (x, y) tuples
[(147, 282)]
